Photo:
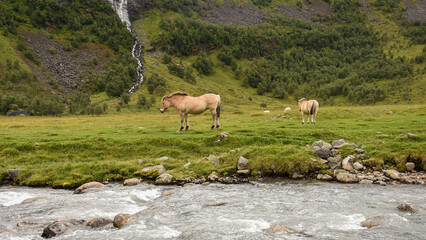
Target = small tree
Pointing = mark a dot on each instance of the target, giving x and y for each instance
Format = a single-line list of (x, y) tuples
[(125, 98)]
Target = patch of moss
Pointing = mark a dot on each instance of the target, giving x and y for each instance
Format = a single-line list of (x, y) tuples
[(153, 173)]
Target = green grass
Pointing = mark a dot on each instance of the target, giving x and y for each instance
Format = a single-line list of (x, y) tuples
[(52, 151)]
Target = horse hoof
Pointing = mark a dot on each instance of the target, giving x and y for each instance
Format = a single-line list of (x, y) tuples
[(217, 126), (187, 128), (180, 129)]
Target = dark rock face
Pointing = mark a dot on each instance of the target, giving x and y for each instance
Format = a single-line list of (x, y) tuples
[(58, 227), (230, 13), (14, 113), (415, 13), (136, 7), (317, 8)]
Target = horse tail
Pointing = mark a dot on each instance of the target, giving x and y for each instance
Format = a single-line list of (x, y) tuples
[(313, 108), (218, 106)]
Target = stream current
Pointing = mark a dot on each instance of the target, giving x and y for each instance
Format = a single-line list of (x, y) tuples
[(312, 210)]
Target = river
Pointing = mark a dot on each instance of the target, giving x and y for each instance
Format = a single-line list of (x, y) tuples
[(313, 210)]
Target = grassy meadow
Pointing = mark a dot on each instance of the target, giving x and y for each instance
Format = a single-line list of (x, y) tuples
[(68, 151)]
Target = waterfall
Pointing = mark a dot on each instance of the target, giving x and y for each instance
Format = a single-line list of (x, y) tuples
[(120, 7)]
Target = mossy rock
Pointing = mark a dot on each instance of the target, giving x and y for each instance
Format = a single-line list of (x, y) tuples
[(57, 186), (66, 185), (377, 164), (154, 173), (137, 173), (118, 177)]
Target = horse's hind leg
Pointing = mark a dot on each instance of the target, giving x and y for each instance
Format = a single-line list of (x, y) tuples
[(182, 116), (214, 114), (186, 121), (217, 122), (303, 118)]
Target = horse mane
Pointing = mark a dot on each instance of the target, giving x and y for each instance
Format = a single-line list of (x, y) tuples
[(302, 99), (174, 94)]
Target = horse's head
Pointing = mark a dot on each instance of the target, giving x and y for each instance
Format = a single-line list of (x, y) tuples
[(165, 105)]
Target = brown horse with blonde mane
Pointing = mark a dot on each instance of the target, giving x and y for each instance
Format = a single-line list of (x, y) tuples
[(309, 107), (186, 104)]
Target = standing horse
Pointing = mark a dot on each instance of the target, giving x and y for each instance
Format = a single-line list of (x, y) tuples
[(195, 105), (310, 107)]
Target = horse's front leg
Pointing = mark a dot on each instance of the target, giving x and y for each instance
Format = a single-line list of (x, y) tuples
[(186, 121), (303, 118), (182, 117)]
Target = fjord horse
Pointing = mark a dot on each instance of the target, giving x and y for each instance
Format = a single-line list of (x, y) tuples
[(186, 104), (310, 107)]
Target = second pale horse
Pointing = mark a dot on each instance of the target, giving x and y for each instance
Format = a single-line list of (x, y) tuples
[(309, 107), (186, 104)]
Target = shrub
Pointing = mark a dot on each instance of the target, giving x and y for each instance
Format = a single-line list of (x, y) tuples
[(203, 65)]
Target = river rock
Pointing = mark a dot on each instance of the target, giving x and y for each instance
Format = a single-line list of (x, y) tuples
[(89, 187), (319, 144), (132, 182), (168, 192), (346, 177), (393, 174), (153, 171), (407, 207), (359, 150), (121, 220), (358, 166), (297, 175), (164, 179), (23, 224), (98, 222), (213, 159), (30, 200), (366, 181), (242, 163), (409, 166), (407, 180), (347, 163), (333, 152), (213, 177), (58, 227), (323, 153), (325, 177), (279, 228), (334, 162), (243, 172), (373, 222)]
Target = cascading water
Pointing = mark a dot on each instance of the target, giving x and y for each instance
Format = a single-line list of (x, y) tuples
[(120, 7)]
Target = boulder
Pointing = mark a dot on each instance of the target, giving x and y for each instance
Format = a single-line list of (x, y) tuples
[(87, 187), (163, 158), (359, 150), (287, 109), (164, 179), (213, 159), (121, 220), (14, 113), (132, 182), (338, 143), (297, 175), (334, 162), (319, 144), (358, 166), (186, 166), (325, 177), (366, 181), (221, 136), (58, 227), (407, 180), (98, 222), (279, 228), (333, 152), (409, 166), (242, 163), (213, 177), (411, 135), (154, 171), (393, 174), (243, 172), (347, 163), (323, 153), (407, 207), (373, 222), (346, 177)]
